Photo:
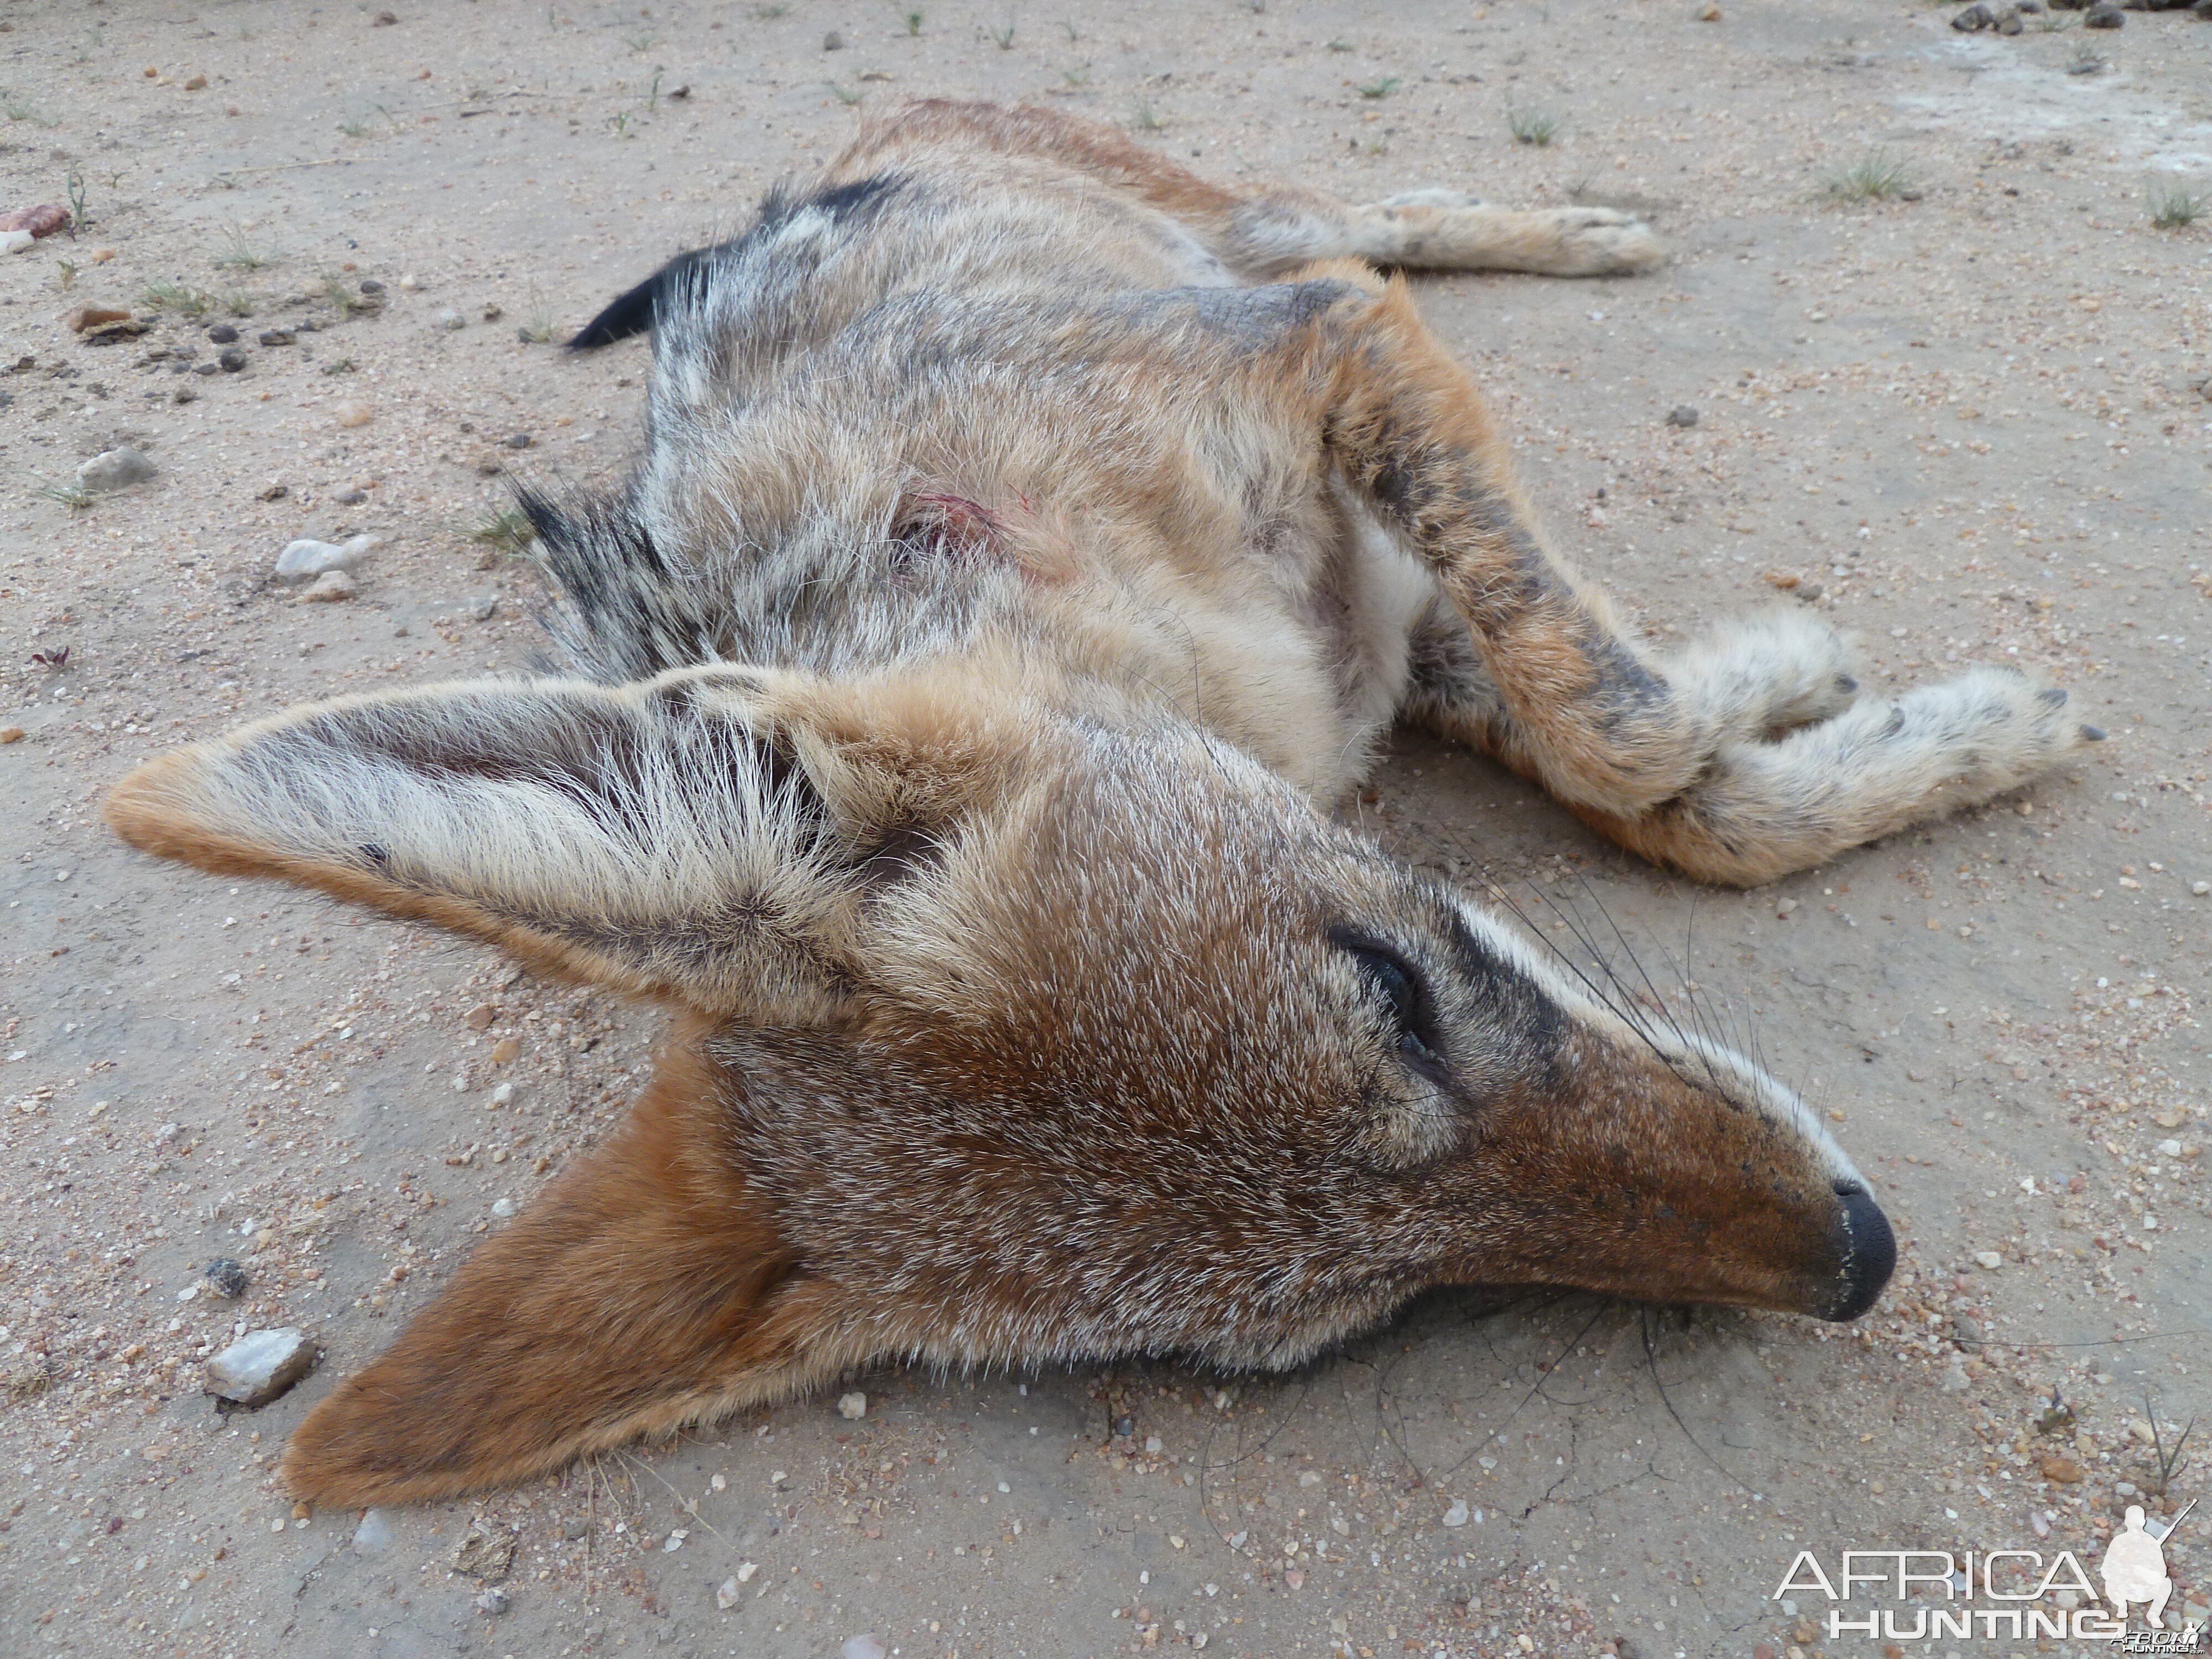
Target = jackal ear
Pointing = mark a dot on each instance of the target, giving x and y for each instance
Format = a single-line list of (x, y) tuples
[(709, 835)]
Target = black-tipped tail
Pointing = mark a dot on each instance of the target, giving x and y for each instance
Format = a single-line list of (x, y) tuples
[(634, 312)]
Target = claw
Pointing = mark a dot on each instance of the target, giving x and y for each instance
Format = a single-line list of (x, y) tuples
[(2093, 734)]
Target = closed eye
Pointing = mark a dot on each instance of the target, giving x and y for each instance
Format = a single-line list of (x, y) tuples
[(1398, 988)]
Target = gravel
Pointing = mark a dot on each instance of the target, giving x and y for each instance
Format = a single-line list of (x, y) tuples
[(227, 1278)]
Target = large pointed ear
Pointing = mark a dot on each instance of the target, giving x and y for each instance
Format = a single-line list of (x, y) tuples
[(644, 1290), (708, 834)]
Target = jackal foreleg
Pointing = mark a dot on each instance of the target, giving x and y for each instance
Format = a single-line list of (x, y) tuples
[(1745, 756)]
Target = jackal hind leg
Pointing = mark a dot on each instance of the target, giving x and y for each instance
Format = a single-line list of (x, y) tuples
[(1262, 232), (1746, 755)]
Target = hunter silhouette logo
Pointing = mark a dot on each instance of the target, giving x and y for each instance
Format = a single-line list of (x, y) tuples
[(2012, 1595), (2134, 1568)]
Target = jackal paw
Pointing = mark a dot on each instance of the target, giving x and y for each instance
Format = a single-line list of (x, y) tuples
[(1768, 674), (1594, 241)]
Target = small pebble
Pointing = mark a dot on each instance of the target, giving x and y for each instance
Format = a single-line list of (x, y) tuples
[(517, 440), (745, 1571), (1709, 13), (370, 285), (226, 1277), (261, 1365), (375, 1533), (1682, 414), (277, 336), (115, 469), (2200, 889), (502, 1093), (1784, 907), (574, 1527), (728, 1595), (450, 319), (223, 334), (833, 42), (232, 359), (479, 607), (853, 1407), (503, 1207), (861, 1647), (1988, 1259), (328, 588), (12, 734), (492, 1603), (1972, 20), (409, 282), (89, 316), (353, 414), (350, 497), (44, 220), (2103, 16)]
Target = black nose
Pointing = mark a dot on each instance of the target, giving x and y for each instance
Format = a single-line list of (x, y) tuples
[(1866, 1248)]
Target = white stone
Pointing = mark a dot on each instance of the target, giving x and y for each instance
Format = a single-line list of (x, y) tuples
[(861, 1647), (853, 1407), (502, 1207), (375, 1533), (14, 241), (304, 560), (745, 1571), (258, 1367), (728, 1595), (115, 469), (1988, 1259), (1457, 1515), (501, 1093)]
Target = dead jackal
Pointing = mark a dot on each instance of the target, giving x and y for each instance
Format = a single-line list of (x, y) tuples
[(1030, 538)]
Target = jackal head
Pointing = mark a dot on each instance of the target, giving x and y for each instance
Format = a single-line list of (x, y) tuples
[(1010, 1031)]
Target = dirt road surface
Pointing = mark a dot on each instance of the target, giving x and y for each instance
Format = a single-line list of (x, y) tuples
[(1949, 386)]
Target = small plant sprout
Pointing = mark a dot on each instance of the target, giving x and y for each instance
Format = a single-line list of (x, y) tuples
[(768, 13), (504, 530), (1381, 86), (78, 218), (620, 123), (2169, 1459), (239, 254), (844, 94), (638, 42), (177, 296), (355, 126), (1003, 34), (344, 366), (2176, 207), (65, 272), (1145, 118), (1342, 46), (340, 294), (652, 96), (237, 303), (1532, 126), (538, 326), (75, 496), (1874, 177), (914, 21)]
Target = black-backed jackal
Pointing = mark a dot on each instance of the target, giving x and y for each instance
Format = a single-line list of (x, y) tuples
[(1032, 540)]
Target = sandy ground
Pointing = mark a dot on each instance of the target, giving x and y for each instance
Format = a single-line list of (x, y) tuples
[(1969, 420)]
